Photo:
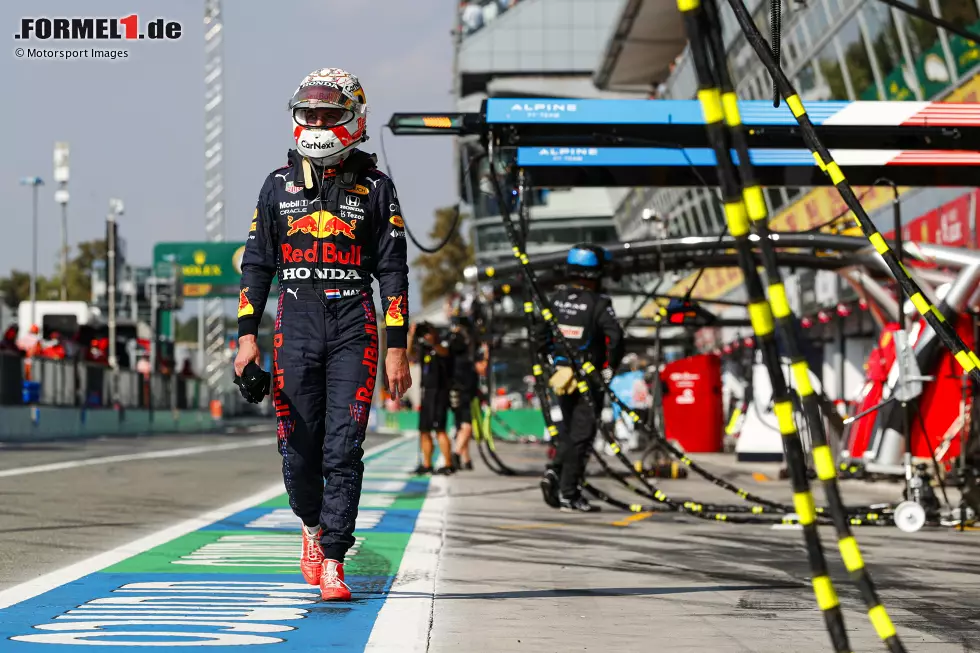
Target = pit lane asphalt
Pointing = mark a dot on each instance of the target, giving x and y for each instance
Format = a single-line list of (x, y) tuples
[(50, 519), (515, 575)]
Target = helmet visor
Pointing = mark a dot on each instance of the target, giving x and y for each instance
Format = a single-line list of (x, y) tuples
[(324, 116), (322, 105), (313, 95)]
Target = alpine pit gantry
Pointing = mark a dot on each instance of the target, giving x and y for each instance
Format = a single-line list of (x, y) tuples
[(577, 144)]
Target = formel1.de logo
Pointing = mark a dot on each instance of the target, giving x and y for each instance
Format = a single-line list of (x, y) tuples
[(97, 29)]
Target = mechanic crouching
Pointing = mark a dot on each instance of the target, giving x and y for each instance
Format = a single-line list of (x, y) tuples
[(586, 320), (431, 348)]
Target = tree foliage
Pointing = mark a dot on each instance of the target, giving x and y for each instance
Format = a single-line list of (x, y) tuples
[(187, 329), (923, 35), (16, 286), (441, 271)]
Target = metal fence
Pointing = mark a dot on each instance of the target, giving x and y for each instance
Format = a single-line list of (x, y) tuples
[(75, 383)]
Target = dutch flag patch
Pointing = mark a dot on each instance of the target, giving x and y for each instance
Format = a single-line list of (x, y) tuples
[(332, 293)]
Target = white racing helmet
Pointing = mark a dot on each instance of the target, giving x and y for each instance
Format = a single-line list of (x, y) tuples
[(329, 143)]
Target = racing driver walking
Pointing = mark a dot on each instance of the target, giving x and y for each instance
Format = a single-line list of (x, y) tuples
[(325, 223)]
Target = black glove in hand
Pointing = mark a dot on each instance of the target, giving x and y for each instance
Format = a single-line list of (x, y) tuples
[(254, 383)]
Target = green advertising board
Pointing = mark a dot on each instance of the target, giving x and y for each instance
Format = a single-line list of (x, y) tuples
[(207, 269), (930, 70)]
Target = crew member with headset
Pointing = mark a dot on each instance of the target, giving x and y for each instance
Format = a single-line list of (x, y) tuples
[(587, 321), (463, 389), (432, 349)]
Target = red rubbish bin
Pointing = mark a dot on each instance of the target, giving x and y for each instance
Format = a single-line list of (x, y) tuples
[(693, 414)]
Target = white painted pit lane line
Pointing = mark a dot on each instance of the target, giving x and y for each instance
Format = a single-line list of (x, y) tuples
[(129, 457), (405, 619)]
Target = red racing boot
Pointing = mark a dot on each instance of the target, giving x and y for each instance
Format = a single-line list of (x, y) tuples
[(332, 585), (311, 562)]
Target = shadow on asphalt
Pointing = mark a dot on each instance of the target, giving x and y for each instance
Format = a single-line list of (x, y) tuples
[(585, 592), (70, 527)]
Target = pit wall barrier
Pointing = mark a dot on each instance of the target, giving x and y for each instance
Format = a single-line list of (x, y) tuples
[(37, 423), (526, 421), (78, 384)]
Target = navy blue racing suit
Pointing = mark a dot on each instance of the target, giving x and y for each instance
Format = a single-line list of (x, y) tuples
[(588, 322), (325, 243)]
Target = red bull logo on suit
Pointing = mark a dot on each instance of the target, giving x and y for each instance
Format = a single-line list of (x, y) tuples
[(320, 224)]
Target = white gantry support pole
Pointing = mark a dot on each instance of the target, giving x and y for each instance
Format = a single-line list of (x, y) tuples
[(214, 206)]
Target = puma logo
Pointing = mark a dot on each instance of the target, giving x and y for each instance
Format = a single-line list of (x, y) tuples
[(283, 175), (293, 291), (374, 182)]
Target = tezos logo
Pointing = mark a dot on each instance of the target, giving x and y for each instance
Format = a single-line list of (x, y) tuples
[(101, 29)]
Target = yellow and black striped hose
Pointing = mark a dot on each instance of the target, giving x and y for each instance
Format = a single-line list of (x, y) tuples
[(964, 356), (761, 316), (878, 515), (764, 506), (540, 366), (587, 372), (664, 503), (539, 363), (755, 208)]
